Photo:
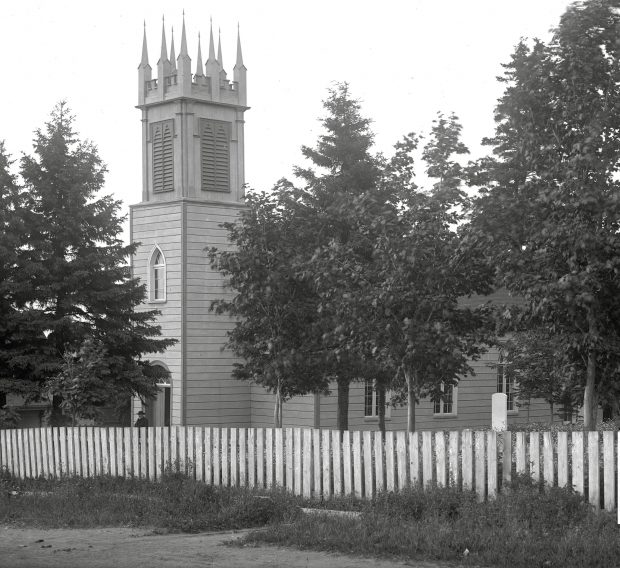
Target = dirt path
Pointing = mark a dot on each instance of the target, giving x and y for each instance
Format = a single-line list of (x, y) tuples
[(133, 548)]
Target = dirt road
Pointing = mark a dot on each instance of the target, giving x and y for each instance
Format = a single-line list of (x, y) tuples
[(134, 548)]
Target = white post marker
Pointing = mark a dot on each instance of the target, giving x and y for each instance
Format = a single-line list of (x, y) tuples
[(499, 412)]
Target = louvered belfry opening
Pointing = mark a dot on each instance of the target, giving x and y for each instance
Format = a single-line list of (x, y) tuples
[(215, 155), (163, 158)]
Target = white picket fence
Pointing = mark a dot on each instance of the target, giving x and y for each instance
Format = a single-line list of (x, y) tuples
[(322, 463)]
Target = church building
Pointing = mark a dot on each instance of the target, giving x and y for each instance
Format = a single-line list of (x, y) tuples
[(193, 121)]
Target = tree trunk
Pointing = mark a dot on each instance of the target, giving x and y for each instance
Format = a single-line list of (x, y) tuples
[(343, 405), (551, 407), (590, 402), (277, 411), (410, 402), (381, 406), (589, 394)]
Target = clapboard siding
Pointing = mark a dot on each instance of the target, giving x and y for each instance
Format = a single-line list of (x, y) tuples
[(213, 396)]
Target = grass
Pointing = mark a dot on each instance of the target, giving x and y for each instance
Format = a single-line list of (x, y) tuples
[(529, 526), (177, 503)]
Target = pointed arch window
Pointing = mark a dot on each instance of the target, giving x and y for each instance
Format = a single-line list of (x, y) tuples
[(163, 157), (215, 155), (157, 276)]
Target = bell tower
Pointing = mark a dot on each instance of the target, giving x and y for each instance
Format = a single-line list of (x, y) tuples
[(192, 182)]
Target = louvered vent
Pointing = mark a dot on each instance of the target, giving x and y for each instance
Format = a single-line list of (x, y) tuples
[(163, 162), (215, 155)]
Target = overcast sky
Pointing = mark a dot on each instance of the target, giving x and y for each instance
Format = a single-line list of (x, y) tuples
[(405, 60)]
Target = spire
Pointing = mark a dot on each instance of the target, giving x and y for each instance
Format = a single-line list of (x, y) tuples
[(145, 51), (173, 57), (219, 48), (239, 62), (183, 39), (164, 50), (199, 72), (211, 44)]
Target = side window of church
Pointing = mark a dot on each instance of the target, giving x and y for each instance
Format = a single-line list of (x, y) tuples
[(215, 155), (163, 159)]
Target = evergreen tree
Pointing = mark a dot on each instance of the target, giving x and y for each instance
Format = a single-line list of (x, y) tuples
[(548, 215), (69, 279)]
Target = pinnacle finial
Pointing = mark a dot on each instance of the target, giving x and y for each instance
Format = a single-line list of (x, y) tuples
[(183, 38), (145, 51), (239, 62), (211, 43), (173, 57), (199, 72), (164, 50)]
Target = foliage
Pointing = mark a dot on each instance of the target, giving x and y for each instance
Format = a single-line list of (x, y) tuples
[(67, 276), (548, 215), (535, 366), (522, 528)]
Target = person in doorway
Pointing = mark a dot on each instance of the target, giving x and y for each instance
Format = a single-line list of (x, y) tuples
[(142, 421)]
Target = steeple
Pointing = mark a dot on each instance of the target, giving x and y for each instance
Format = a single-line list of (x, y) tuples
[(184, 72), (144, 69), (220, 60), (145, 51), (213, 68), (239, 73), (199, 72), (163, 57), (173, 57)]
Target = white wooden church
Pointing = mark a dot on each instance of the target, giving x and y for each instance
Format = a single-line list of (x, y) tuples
[(193, 121)]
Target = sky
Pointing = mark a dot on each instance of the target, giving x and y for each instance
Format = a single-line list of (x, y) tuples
[(405, 60)]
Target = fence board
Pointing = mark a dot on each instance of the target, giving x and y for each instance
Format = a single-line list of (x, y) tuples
[(290, 484), (260, 457), (90, 450), (72, 457), (337, 461), (492, 464), (209, 453), (357, 464), (609, 494), (225, 455), (520, 452), (440, 453), (548, 474), (120, 452), (480, 458), (243, 457), (83, 444), (51, 452), (38, 450), (346, 462), (269, 457), (279, 449), (233, 460), (297, 461), (507, 457), (401, 459), (369, 489), (390, 480), (414, 458), (467, 471), (577, 455), (562, 459), (134, 434), (535, 455), (252, 439), (327, 462), (307, 464), (427, 458), (316, 459), (27, 451), (453, 460), (378, 461), (594, 492)]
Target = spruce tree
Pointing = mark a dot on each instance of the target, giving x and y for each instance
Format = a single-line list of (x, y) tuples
[(68, 282)]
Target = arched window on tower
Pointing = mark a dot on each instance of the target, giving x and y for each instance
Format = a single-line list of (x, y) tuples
[(157, 276)]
